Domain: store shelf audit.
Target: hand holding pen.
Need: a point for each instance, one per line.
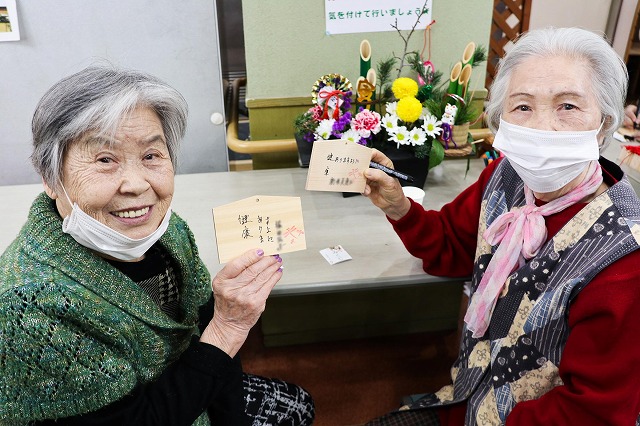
(391, 172)
(631, 118)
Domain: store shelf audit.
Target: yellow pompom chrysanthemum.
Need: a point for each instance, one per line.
(409, 109)
(403, 87)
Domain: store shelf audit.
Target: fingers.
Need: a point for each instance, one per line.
(380, 158)
(379, 177)
(630, 115)
(240, 263)
(242, 298)
(262, 276)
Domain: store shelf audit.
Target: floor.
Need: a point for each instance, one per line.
(354, 381)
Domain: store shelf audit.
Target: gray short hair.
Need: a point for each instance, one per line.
(609, 73)
(96, 99)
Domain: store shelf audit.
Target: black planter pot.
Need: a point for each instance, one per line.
(304, 151)
(406, 162)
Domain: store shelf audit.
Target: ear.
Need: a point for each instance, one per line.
(50, 192)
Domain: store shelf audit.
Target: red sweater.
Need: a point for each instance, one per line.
(600, 365)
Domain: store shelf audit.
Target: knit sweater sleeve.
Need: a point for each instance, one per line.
(600, 366)
(445, 240)
(203, 378)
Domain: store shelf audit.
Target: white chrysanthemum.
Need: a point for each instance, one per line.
(431, 125)
(400, 137)
(391, 108)
(417, 136)
(390, 122)
(351, 136)
(324, 129)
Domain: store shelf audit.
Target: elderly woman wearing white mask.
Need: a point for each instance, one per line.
(550, 237)
(107, 314)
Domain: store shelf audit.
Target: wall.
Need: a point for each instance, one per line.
(175, 41)
(624, 26)
(589, 14)
(287, 48)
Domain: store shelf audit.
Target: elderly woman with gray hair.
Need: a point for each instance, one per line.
(107, 313)
(550, 237)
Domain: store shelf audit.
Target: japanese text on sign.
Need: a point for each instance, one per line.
(357, 16)
(271, 223)
(338, 165)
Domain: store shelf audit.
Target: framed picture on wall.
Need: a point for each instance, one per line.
(9, 27)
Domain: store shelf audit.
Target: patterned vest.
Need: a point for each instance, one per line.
(517, 359)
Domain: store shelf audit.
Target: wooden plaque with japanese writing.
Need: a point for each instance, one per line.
(271, 223)
(338, 165)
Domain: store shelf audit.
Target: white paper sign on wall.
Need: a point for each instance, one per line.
(359, 16)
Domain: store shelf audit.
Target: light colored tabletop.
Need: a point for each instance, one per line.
(379, 258)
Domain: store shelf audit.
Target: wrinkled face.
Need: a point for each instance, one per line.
(127, 184)
(553, 93)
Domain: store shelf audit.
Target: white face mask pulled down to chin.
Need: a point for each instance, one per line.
(547, 160)
(98, 237)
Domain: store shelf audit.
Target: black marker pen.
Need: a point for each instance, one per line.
(394, 173)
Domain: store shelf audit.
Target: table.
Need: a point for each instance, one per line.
(612, 152)
(379, 268)
(379, 258)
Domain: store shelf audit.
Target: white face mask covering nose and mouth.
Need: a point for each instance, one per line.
(97, 236)
(547, 160)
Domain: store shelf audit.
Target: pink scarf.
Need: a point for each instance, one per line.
(520, 233)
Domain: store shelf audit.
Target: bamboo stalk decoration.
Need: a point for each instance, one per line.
(453, 78)
(365, 57)
(467, 55)
(463, 80)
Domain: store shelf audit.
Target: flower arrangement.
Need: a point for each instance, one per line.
(408, 115)
(331, 116)
(407, 122)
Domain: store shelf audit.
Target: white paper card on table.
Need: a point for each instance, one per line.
(338, 165)
(335, 254)
(271, 223)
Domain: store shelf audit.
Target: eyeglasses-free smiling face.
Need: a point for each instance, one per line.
(126, 183)
(552, 93)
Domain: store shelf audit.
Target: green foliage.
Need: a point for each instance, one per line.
(422, 151)
(479, 56)
(417, 66)
(304, 123)
(437, 154)
(383, 73)
(439, 99)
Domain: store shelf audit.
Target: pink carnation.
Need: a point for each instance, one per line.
(366, 122)
(316, 112)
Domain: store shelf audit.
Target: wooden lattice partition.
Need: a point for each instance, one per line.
(510, 19)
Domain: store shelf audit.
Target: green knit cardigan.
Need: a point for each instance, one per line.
(75, 333)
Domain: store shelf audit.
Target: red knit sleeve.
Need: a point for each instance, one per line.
(445, 240)
(600, 365)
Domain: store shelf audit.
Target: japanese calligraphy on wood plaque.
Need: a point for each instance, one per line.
(338, 165)
(271, 223)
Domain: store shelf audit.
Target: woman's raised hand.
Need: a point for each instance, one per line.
(240, 292)
(385, 191)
